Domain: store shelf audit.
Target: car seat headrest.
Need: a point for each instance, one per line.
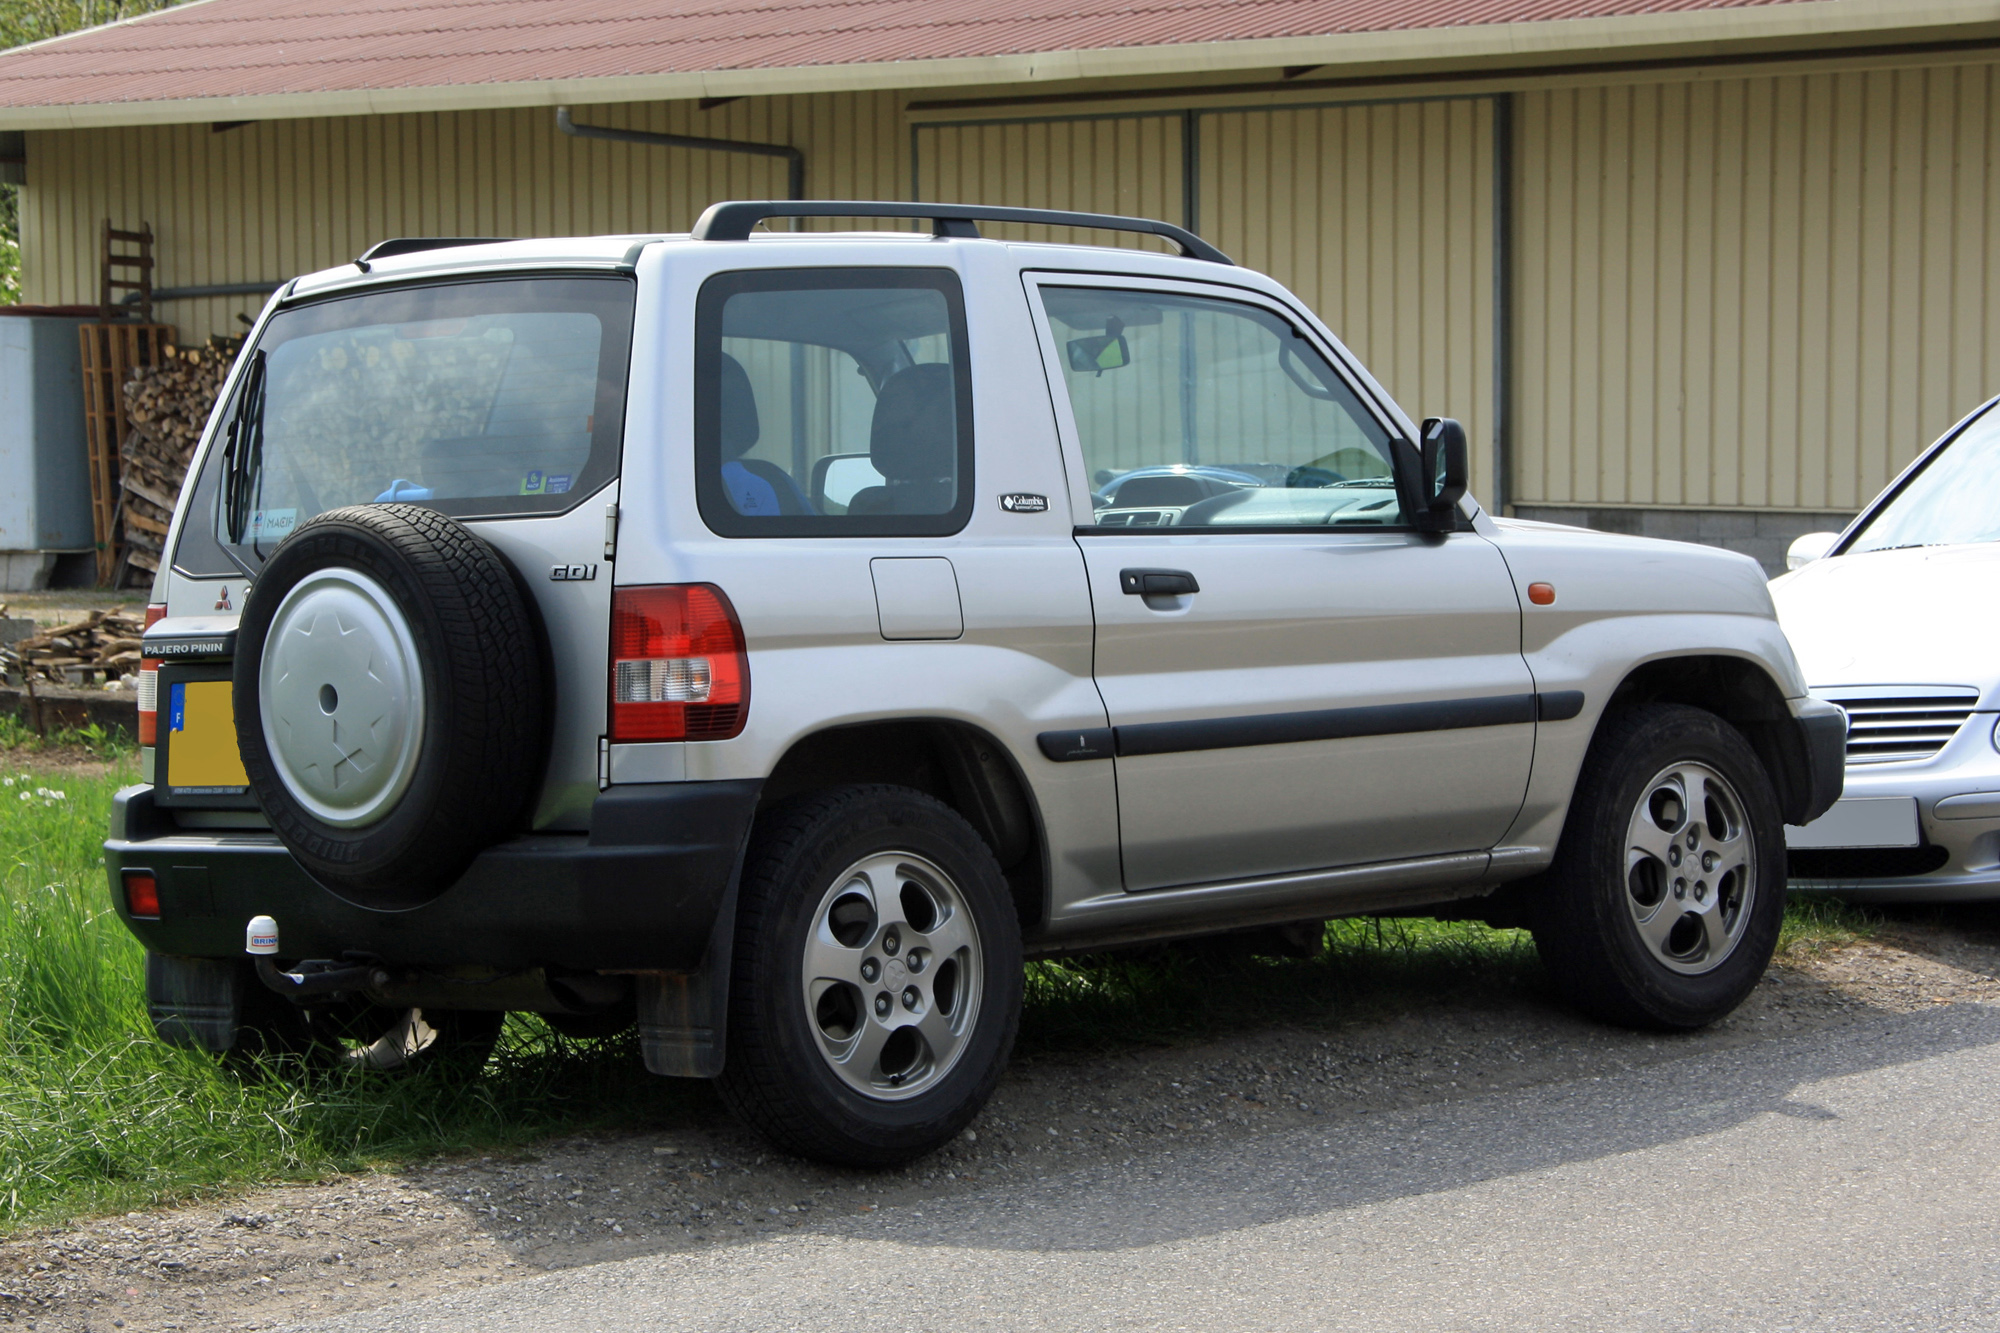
(914, 436)
(740, 430)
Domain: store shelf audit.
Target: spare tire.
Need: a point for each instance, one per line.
(390, 700)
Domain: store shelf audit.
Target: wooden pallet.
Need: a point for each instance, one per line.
(110, 351)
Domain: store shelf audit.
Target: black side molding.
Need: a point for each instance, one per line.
(1558, 705)
(1068, 746)
(1325, 724)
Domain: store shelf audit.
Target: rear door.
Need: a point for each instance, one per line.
(1295, 678)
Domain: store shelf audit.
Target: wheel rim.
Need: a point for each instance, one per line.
(1690, 868)
(892, 975)
(342, 697)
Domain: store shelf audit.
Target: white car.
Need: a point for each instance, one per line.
(1886, 620)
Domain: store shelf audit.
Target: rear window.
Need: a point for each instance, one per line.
(475, 398)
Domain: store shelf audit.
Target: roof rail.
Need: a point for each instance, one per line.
(732, 221)
(409, 245)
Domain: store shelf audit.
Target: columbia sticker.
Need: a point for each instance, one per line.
(1024, 502)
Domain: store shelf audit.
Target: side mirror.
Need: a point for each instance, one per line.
(1804, 550)
(1442, 480)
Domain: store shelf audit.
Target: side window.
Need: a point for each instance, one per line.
(832, 402)
(1206, 413)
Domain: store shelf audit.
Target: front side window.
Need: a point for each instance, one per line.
(1196, 412)
(1951, 501)
(832, 402)
(474, 398)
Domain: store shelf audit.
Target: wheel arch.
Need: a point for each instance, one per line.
(959, 764)
(1742, 693)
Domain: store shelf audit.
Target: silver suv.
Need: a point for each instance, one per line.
(769, 640)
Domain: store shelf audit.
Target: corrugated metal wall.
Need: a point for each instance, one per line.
(1750, 293)
(270, 200)
(1098, 164)
(1381, 218)
(1760, 292)
(1373, 214)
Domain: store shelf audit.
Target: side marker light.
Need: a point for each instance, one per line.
(1542, 594)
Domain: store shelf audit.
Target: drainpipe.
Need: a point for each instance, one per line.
(795, 161)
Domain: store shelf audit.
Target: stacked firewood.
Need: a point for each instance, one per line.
(166, 406)
(101, 647)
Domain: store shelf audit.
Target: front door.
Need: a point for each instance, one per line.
(1295, 678)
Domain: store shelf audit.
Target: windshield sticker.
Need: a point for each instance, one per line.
(558, 483)
(533, 483)
(270, 526)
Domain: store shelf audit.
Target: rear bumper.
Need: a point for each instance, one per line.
(639, 892)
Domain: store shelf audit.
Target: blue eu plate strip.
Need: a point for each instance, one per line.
(177, 709)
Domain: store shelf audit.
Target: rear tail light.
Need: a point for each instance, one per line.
(148, 693)
(678, 669)
(142, 894)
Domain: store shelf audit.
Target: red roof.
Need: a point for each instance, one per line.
(265, 48)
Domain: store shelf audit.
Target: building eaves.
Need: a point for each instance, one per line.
(272, 59)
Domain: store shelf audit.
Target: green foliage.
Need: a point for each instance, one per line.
(23, 21)
(17, 735)
(97, 1114)
(10, 251)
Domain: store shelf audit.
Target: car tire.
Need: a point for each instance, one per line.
(396, 630)
(1664, 903)
(876, 984)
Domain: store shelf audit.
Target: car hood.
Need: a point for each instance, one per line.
(1913, 617)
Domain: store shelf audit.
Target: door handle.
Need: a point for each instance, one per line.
(1157, 582)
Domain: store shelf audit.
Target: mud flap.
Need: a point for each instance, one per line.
(683, 1016)
(195, 1002)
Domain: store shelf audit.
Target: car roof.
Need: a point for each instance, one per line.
(623, 250)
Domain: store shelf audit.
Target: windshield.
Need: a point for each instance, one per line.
(1955, 499)
(475, 398)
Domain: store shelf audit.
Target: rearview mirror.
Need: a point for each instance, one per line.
(1804, 550)
(1108, 351)
(1443, 477)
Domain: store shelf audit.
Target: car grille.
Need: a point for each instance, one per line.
(1914, 724)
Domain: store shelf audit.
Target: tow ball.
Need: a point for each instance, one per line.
(314, 976)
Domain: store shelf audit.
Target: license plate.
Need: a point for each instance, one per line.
(1860, 821)
(201, 754)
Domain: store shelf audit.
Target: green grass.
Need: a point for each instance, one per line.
(1816, 921)
(97, 1115)
(1204, 990)
(18, 738)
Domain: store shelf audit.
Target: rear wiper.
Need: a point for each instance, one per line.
(243, 454)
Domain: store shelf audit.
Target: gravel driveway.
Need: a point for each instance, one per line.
(1064, 1127)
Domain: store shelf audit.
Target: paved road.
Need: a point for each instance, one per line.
(1847, 1181)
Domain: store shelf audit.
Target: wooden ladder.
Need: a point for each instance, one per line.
(111, 349)
(117, 263)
